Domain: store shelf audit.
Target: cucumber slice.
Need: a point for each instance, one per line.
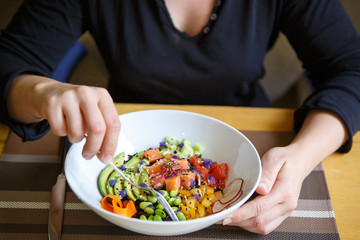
(172, 140)
(198, 149)
(187, 151)
(106, 171)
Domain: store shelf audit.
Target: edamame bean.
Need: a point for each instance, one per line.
(149, 210)
(157, 218)
(143, 217)
(175, 208)
(177, 202)
(160, 206)
(160, 213)
(164, 193)
(151, 218)
(181, 216)
(173, 193)
(152, 199)
(144, 205)
(171, 201)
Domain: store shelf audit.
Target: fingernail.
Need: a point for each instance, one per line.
(107, 158)
(262, 185)
(227, 221)
(86, 156)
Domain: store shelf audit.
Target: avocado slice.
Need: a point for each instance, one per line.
(134, 160)
(139, 194)
(113, 177)
(106, 171)
(144, 178)
(129, 193)
(119, 186)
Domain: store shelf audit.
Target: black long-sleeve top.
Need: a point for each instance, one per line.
(150, 61)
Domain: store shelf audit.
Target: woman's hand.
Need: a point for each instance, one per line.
(285, 168)
(278, 191)
(71, 110)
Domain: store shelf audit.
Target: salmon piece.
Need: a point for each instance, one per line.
(155, 168)
(187, 179)
(181, 164)
(159, 183)
(172, 183)
(152, 154)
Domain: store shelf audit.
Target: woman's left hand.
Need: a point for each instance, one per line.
(285, 168)
(278, 191)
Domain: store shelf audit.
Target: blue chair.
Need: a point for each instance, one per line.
(69, 62)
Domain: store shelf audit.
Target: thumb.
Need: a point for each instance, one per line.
(272, 163)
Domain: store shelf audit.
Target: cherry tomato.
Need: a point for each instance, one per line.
(220, 172)
(204, 173)
(195, 160)
(213, 167)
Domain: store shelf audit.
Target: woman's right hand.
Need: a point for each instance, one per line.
(72, 110)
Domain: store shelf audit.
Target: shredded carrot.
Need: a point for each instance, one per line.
(107, 202)
(152, 154)
(114, 204)
(128, 210)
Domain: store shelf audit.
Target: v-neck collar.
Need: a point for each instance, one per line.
(204, 31)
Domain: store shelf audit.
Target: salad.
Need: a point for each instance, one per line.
(190, 183)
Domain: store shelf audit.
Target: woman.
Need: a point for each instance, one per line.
(187, 52)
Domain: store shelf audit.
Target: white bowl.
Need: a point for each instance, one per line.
(145, 129)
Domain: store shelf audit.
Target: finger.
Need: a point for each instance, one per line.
(112, 122)
(95, 124)
(254, 208)
(260, 204)
(74, 123)
(271, 165)
(57, 121)
(264, 224)
(55, 116)
(95, 135)
(277, 211)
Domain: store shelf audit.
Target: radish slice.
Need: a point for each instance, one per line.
(232, 190)
(231, 194)
(218, 207)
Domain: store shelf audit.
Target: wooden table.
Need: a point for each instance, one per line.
(342, 170)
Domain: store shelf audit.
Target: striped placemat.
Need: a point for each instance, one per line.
(28, 171)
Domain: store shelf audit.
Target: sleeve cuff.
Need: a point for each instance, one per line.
(30, 131)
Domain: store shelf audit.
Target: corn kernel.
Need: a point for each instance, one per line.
(194, 191)
(218, 195)
(206, 202)
(192, 212)
(184, 192)
(209, 190)
(191, 202)
(202, 189)
(201, 210)
(212, 198)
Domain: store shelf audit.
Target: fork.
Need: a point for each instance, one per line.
(158, 195)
